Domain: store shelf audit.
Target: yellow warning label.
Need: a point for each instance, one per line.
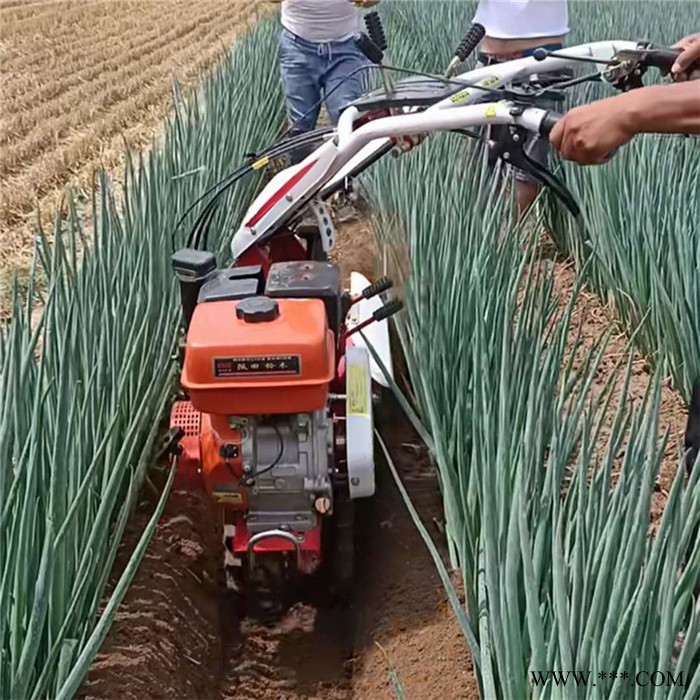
(260, 163)
(488, 82)
(230, 497)
(358, 396)
(491, 111)
(460, 96)
(463, 94)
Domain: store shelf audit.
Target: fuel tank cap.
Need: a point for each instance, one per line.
(257, 309)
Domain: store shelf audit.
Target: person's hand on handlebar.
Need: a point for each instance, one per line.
(689, 60)
(590, 134)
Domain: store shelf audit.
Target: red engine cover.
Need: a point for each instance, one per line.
(211, 459)
(211, 455)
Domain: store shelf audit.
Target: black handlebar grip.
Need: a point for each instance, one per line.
(381, 285)
(375, 29)
(369, 49)
(471, 40)
(389, 309)
(549, 121)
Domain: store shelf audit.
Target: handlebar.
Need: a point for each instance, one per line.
(349, 140)
(284, 195)
(354, 147)
(549, 121)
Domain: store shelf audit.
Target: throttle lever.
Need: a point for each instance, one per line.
(663, 59)
(650, 56)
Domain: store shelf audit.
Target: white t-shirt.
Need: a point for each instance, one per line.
(523, 19)
(321, 20)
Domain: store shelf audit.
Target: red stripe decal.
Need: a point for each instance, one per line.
(279, 194)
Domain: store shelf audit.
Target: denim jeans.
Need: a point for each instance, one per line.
(313, 70)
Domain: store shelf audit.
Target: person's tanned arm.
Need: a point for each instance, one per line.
(589, 134)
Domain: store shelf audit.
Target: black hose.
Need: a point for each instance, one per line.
(199, 232)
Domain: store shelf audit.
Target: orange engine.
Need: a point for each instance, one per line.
(277, 421)
(258, 372)
(259, 355)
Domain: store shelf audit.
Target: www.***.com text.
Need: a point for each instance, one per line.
(654, 679)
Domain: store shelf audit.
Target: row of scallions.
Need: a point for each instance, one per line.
(547, 475)
(88, 369)
(547, 479)
(639, 239)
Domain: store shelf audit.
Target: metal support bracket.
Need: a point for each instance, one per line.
(325, 223)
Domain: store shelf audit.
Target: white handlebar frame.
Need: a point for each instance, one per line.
(349, 148)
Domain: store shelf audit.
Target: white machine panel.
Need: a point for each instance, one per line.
(377, 334)
(359, 435)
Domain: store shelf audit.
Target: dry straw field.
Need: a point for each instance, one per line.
(77, 79)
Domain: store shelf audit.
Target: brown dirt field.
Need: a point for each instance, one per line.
(77, 79)
(179, 635)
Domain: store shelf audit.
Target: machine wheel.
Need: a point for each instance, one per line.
(341, 557)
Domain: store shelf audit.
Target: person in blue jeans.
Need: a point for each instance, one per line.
(319, 59)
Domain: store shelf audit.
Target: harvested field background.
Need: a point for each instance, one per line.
(78, 79)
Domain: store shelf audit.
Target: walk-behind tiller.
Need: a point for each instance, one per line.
(278, 375)
(278, 421)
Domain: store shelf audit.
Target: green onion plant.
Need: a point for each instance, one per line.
(87, 369)
(547, 478)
